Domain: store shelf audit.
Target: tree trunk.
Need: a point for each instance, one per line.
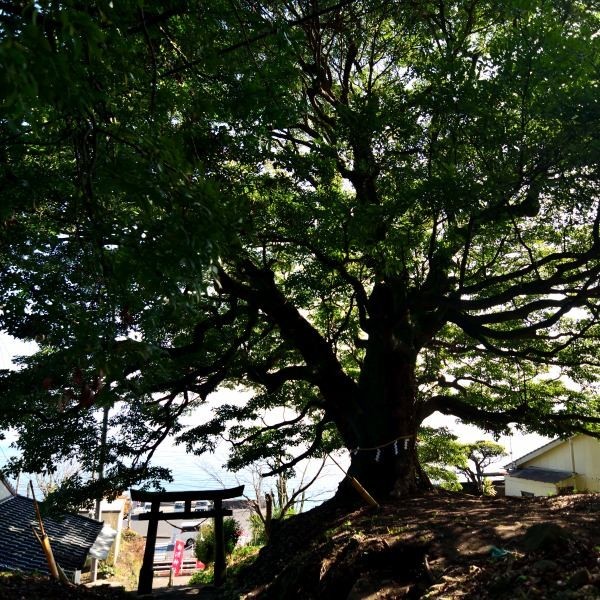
(392, 470)
(384, 455)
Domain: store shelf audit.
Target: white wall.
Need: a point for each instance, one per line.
(515, 485)
(586, 452)
(4, 491)
(580, 454)
(557, 458)
(584, 459)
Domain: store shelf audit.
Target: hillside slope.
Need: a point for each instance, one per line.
(434, 546)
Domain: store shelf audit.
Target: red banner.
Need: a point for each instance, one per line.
(177, 557)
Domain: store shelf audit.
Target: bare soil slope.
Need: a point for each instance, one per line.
(435, 546)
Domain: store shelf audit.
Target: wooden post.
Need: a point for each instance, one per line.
(42, 538)
(268, 515)
(147, 570)
(220, 564)
(357, 486)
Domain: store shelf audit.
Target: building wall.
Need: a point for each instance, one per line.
(558, 458)
(515, 485)
(111, 514)
(4, 491)
(584, 460)
(586, 452)
(581, 455)
(115, 520)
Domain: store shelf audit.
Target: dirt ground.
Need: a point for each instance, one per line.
(441, 546)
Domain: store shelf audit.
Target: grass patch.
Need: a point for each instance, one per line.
(129, 562)
(241, 557)
(345, 527)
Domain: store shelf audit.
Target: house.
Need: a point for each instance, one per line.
(560, 465)
(112, 513)
(72, 537)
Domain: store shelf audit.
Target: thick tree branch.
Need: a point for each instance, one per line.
(280, 425)
(274, 29)
(474, 324)
(215, 322)
(564, 262)
(340, 268)
(526, 310)
(319, 429)
(274, 380)
(215, 371)
(533, 355)
(339, 390)
(453, 405)
(263, 292)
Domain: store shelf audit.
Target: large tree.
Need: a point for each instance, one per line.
(366, 211)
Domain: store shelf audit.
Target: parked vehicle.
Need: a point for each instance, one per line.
(163, 553)
(203, 505)
(179, 506)
(188, 531)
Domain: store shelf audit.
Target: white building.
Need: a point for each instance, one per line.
(560, 465)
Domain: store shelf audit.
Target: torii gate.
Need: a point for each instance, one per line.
(155, 515)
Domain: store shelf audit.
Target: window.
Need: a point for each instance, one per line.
(527, 494)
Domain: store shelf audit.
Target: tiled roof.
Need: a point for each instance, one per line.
(71, 537)
(539, 474)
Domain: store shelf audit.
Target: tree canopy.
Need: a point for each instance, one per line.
(443, 457)
(365, 210)
(481, 454)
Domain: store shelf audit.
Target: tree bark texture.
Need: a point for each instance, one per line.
(384, 454)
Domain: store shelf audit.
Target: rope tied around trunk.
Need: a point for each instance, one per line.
(379, 449)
